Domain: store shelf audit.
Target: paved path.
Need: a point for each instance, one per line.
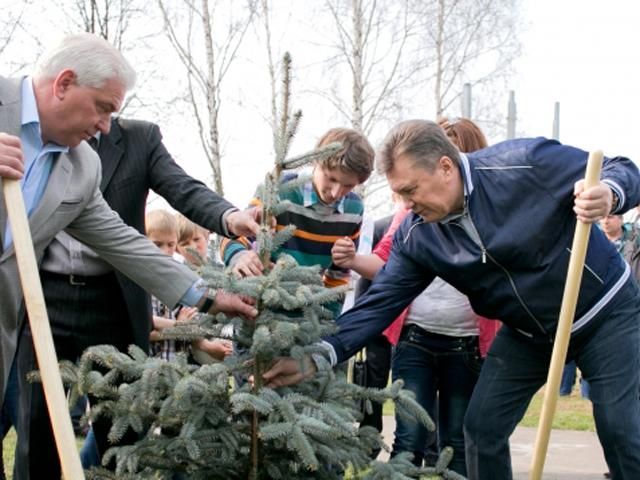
(571, 455)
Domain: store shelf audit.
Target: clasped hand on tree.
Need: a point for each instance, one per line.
(289, 371)
(232, 304)
(244, 223)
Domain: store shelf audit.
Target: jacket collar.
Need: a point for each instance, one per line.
(111, 153)
(467, 185)
(465, 170)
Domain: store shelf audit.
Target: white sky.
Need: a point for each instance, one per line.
(583, 54)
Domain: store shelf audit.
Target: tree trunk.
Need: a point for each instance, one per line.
(212, 101)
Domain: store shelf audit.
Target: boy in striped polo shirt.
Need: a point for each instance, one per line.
(323, 210)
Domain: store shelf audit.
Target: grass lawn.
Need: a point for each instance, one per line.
(8, 447)
(572, 413)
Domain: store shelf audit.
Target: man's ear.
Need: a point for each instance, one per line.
(65, 80)
(447, 165)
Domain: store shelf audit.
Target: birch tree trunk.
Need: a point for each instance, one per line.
(205, 76)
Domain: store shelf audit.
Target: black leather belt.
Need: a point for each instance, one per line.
(77, 280)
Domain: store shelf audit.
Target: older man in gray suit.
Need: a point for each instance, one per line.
(43, 122)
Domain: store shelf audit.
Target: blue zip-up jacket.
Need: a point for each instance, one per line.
(509, 250)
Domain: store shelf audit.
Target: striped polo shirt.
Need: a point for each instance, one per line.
(318, 226)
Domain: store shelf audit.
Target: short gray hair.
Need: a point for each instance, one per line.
(423, 140)
(94, 61)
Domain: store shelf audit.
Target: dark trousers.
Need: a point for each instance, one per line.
(608, 354)
(378, 365)
(80, 316)
(442, 372)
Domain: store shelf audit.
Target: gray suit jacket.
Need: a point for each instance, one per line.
(72, 202)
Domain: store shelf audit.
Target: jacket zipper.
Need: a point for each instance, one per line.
(486, 254)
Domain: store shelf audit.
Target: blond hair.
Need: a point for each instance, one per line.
(160, 221)
(187, 229)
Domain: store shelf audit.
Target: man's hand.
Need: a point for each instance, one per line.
(11, 160)
(592, 204)
(343, 252)
(247, 264)
(289, 371)
(244, 223)
(231, 304)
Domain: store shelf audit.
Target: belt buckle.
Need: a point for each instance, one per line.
(73, 281)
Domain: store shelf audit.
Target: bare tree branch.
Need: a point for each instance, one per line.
(208, 74)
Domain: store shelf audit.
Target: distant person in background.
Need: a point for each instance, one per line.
(616, 232)
(568, 380)
(463, 133)
(631, 246)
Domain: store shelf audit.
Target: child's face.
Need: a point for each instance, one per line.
(333, 184)
(199, 242)
(165, 241)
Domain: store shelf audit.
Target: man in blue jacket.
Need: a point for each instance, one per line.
(498, 225)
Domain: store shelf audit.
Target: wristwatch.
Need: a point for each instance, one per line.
(208, 303)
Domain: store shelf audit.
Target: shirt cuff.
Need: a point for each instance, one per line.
(225, 231)
(194, 294)
(619, 193)
(329, 352)
(233, 253)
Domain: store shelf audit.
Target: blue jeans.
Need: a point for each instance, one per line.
(89, 454)
(436, 368)
(607, 351)
(569, 380)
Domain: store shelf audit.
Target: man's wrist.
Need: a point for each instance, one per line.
(225, 226)
(207, 302)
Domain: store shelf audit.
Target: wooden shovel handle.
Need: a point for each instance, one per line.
(41, 332)
(567, 314)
